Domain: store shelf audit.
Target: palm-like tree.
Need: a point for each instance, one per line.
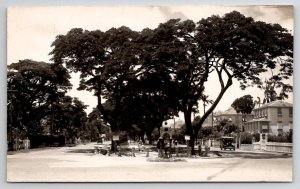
(205, 101)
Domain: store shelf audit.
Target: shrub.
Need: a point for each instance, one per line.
(290, 136)
(246, 138)
(37, 141)
(285, 137)
(256, 136)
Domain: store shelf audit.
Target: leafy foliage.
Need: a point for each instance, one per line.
(244, 104)
(226, 127)
(246, 138)
(96, 126)
(153, 74)
(271, 87)
(285, 137)
(32, 88)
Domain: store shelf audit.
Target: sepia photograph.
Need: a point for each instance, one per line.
(181, 93)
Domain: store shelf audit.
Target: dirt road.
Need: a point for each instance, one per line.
(80, 164)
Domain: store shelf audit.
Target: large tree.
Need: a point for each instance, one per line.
(170, 56)
(275, 89)
(33, 88)
(238, 47)
(182, 54)
(244, 104)
(67, 117)
(123, 68)
(105, 61)
(96, 125)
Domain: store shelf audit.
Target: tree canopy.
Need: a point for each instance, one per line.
(36, 86)
(171, 64)
(244, 104)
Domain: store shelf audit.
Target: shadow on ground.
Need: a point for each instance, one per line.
(218, 154)
(83, 151)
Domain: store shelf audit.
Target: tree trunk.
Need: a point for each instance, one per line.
(188, 122)
(114, 145)
(149, 137)
(142, 137)
(213, 106)
(189, 128)
(192, 143)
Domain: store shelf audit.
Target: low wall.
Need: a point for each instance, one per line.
(269, 146)
(248, 147)
(279, 147)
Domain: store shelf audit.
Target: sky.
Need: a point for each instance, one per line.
(31, 30)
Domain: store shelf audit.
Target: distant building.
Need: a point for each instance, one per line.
(230, 114)
(275, 117)
(171, 126)
(208, 122)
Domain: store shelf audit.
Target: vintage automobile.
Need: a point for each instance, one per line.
(227, 143)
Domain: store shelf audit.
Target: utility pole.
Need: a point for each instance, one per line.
(174, 125)
(212, 118)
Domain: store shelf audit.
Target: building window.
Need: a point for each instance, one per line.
(279, 112)
(280, 132)
(291, 112)
(264, 128)
(266, 113)
(291, 125)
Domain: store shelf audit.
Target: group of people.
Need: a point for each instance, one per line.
(21, 144)
(164, 147)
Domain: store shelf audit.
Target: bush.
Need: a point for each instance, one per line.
(246, 138)
(290, 136)
(285, 138)
(256, 136)
(37, 141)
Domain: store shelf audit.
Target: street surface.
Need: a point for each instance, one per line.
(80, 164)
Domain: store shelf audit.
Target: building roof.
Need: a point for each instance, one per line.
(170, 123)
(229, 111)
(257, 120)
(278, 103)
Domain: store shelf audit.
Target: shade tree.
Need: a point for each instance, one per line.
(244, 104)
(236, 47)
(182, 54)
(33, 88)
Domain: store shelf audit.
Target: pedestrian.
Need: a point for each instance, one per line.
(160, 147)
(167, 148)
(26, 143)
